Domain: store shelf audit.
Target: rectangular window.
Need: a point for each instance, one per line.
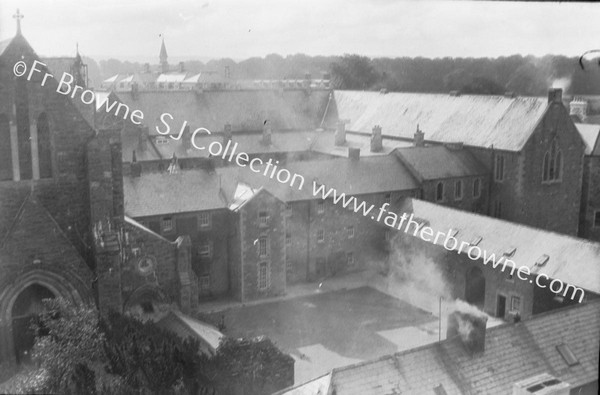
(499, 167)
(388, 198)
(476, 188)
(597, 219)
(458, 190)
(350, 230)
(350, 259)
(288, 240)
(320, 207)
(263, 218)
(439, 192)
(204, 284)
(515, 303)
(167, 224)
(205, 250)
(204, 219)
(263, 275)
(262, 246)
(320, 236)
(498, 209)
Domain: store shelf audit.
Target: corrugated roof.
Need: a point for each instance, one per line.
(437, 162)
(589, 133)
(476, 120)
(513, 352)
(245, 110)
(571, 260)
(185, 326)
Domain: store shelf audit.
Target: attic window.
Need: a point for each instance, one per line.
(160, 140)
(567, 354)
(476, 240)
(510, 251)
(542, 260)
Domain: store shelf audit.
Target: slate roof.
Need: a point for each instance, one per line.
(245, 110)
(4, 44)
(513, 352)
(572, 260)
(437, 162)
(192, 190)
(590, 133)
(476, 120)
(325, 143)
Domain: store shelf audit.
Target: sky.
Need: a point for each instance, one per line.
(239, 29)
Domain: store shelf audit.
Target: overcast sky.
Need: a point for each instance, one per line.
(129, 29)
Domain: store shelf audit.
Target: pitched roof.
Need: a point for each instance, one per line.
(476, 120)
(245, 110)
(198, 189)
(437, 162)
(513, 352)
(590, 133)
(4, 44)
(572, 260)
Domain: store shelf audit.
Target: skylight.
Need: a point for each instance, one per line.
(567, 354)
(542, 260)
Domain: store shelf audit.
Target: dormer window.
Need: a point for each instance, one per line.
(510, 251)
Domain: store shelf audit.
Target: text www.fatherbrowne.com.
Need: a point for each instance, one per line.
(408, 224)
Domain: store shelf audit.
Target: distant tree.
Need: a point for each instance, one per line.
(482, 86)
(354, 72)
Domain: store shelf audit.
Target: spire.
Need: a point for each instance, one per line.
(164, 65)
(18, 16)
(163, 51)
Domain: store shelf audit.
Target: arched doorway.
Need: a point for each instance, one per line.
(27, 308)
(475, 287)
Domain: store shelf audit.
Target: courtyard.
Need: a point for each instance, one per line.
(332, 329)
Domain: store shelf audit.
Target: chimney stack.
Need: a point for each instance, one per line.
(469, 326)
(227, 135)
(419, 138)
(354, 153)
(376, 139)
(181, 67)
(340, 133)
(136, 167)
(554, 95)
(578, 107)
(266, 134)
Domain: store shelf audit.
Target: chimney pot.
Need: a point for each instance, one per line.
(266, 135)
(419, 138)
(354, 153)
(340, 133)
(376, 139)
(227, 135)
(554, 95)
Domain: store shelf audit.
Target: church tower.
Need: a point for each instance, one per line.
(164, 65)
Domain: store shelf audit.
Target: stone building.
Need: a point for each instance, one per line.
(63, 232)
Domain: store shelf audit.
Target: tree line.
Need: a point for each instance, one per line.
(523, 75)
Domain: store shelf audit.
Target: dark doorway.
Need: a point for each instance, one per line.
(475, 288)
(501, 306)
(25, 311)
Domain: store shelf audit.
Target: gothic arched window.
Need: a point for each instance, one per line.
(6, 172)
(44, 148)
(552, 165)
